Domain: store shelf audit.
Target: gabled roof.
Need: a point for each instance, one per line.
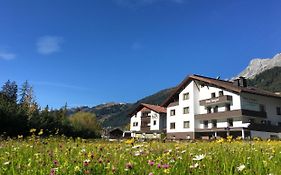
(227, 85)
(155, 108)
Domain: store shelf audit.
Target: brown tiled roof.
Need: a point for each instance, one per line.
(158, 109)
(155, 108)
(227, 85)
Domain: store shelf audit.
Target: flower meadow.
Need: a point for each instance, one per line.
(61, 155)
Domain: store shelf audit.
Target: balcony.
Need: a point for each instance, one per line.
(231, 114)
(216, 101)
(145, 120)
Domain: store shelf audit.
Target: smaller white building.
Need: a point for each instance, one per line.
(148, 121)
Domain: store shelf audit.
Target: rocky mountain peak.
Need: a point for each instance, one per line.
(258, 65)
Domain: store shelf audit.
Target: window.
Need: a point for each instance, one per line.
(186, 124)
(230, 122)
(154, 122)
(213, 95)
(262, 108)
(173, 112)
(278, 111)
(172, 125)
(214, 123)
(186, 96)
(227, 107)
(220, 93)
(205, 122)
(209, 110)
(135, 124)
(145, 114)
(216, 109)
(186, 110)
(263, 122)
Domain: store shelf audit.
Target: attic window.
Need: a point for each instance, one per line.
(186, 96)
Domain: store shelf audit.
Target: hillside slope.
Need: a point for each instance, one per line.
(268, 80)
(121, 118)
(116, 114)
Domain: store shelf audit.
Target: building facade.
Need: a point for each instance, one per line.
(203, 107)
(148, 121)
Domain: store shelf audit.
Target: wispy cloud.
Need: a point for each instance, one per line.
(7, 55)
(60, 85)
(137, 3)
(49, 44)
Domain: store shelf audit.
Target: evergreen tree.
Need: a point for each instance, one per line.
(10, 90)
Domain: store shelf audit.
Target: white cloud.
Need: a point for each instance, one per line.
(49, 44)
(7, 56)
(137, 3)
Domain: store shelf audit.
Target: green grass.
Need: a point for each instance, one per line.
(35, 155)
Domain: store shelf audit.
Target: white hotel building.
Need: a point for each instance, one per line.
(203, 107)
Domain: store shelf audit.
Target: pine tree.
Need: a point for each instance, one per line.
(10, 90)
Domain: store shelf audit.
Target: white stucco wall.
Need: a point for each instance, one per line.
(180, 117)
(154, 117)
(135, 118)
(252, 102)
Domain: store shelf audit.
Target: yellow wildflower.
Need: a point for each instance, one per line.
(32, 130)
(41, 132)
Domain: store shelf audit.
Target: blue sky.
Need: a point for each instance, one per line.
(95, 51)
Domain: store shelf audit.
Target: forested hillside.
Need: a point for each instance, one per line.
(268, 80)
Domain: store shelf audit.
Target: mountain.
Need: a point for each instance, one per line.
(260, 65)
(268, 80)
(116, 114)
(121, 118)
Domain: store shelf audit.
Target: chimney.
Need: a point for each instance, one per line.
(236, 82)
(241, 81)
